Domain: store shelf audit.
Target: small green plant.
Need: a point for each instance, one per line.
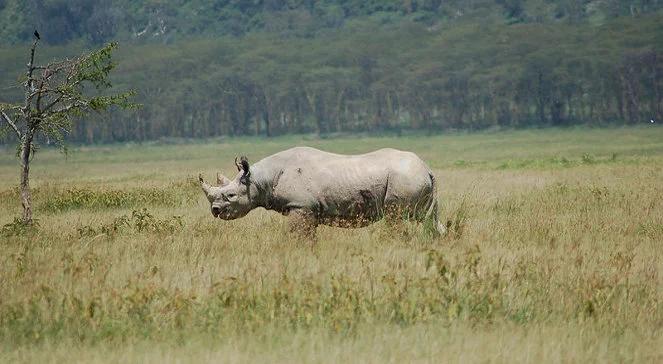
(507, 206)
(599, 192)
(458, 222)
(651, 230)
(138, 221)
(18, 228)
(588, 159)
(84, 198)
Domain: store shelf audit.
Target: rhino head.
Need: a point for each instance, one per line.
(230, 199)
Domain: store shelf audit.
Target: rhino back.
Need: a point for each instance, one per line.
(342, 185)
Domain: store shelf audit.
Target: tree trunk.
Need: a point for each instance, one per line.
(267, 115)
(541, 102)
(257, 125)
(265, 118)
(658, 110)
(339, 109)
(26, 141)
(26, 199)
(631, 99)
(312, 101)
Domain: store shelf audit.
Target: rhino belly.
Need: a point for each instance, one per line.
(355, 207)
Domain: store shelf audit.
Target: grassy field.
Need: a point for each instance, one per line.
(555, 254)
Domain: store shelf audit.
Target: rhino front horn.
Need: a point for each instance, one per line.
(205, 186)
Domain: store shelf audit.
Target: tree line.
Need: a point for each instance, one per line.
(391, 80)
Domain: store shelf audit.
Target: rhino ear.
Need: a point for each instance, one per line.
(243, 165)
(221, 180)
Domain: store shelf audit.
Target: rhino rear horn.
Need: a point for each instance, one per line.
(221, 180)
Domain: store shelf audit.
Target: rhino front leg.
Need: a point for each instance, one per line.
(303, 224)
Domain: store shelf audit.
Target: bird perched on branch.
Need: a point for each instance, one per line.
(36, 33)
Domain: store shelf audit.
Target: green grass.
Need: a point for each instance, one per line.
(553, 255)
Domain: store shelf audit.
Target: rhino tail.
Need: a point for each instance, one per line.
(432, 208)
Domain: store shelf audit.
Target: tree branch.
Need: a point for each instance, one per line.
(31, 65)
(39, 95)
(29, 83)
(76, 104)
(11, 123)
(49, 106)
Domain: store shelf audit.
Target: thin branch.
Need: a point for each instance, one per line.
(49, 106)
(42, 90)
(31, 65)
(39, 95)
(76, 104)
(29, 83)
(11, 123)
(10, 87)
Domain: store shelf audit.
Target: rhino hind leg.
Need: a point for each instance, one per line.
(303, 224)
(395, 218)
(395, 222)
(439, 228)
(431, 220)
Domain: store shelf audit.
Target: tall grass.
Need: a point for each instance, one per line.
(541, 264)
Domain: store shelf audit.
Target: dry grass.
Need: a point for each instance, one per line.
(554, 255)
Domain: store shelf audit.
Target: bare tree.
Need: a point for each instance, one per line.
(55, 95)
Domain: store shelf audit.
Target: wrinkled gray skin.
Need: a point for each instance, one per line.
(315, 187)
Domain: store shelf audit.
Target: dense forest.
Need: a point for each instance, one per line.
(205, 68)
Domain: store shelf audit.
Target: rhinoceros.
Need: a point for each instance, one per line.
(314, 187)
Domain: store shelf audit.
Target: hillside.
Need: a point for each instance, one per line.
(103, 20)
(209, 68)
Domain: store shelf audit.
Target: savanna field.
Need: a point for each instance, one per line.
(554, 254)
